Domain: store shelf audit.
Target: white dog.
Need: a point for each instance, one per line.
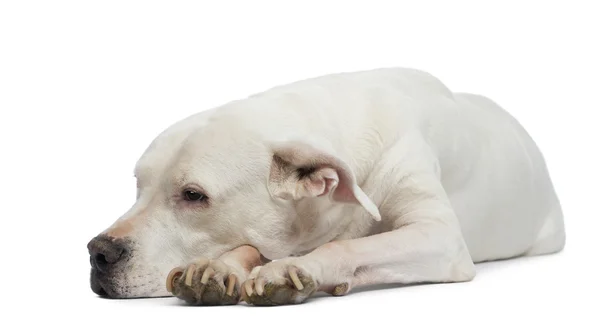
(346, 180)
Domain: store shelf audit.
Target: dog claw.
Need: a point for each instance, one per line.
(207, 274)
(173, 274)
(230, 284)
(248, 286)
(294, 277)
(189, 274)
(259, 286)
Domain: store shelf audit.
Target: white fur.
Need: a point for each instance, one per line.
(455, 179)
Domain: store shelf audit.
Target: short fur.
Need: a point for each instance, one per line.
(381, 176)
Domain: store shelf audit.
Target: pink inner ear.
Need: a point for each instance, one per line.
(342, 192)
(331, 180)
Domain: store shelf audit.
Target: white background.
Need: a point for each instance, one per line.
(86, 85)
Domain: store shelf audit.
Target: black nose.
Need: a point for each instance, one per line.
(105, 252)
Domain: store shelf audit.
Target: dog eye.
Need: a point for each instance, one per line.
(193, 196)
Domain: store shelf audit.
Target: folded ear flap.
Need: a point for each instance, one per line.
(301, 170)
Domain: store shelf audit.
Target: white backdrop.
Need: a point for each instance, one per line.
(86, 85)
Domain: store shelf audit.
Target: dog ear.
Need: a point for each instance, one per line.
(302, 170)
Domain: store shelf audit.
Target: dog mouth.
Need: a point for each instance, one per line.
(120, 284)
(97, 287)
(103, 286)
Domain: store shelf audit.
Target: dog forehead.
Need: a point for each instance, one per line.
(215, 154)
(218, 149)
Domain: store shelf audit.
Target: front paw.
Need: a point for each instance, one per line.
(279, 283)
(205, 282)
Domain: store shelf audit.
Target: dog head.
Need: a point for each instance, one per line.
(210, 184)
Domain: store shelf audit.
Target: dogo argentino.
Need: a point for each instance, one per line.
(328, 184)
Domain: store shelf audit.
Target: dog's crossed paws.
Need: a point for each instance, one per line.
(212, 282)
(205, 282)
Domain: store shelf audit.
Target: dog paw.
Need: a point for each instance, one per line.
(205, 282)
(278, 283)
